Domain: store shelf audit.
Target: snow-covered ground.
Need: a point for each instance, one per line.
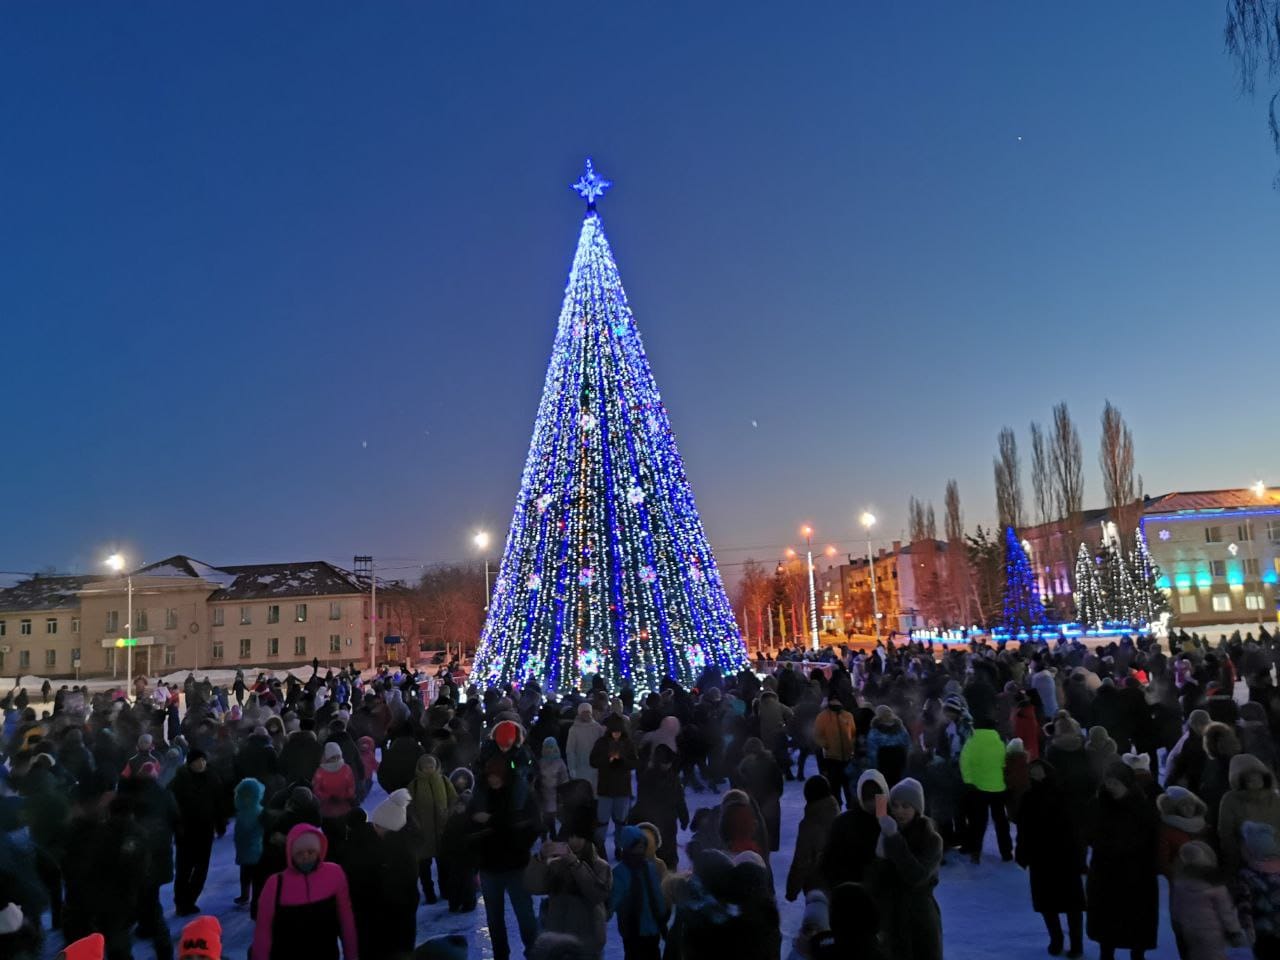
(986, 909)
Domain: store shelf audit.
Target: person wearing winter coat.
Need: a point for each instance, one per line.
(854, 928)
(1121, 893)
(399, 761)
(740, 826)
(1185, 764)
(1044, 682)
(552, 772)
(1252, 797)
(457, 866)
(851, 846)
(1026, 725)
(432, 796)
(1101, 751)
(1220, 745)
(198, 793)
(583, 735)
(248, 836)
(369, 763)
(636, 899)
(505, 821)
(904, 874)
(306, 908)
(1054, 858)
(820, 812)
(300, 758)
(382, 874)
(575, 883)
(1017, 767)
(334, 786)
(1257, 889)
(759, 775)
(982, 767)
(836, 735)
(660, 800)
(774, 716)
(1182, 819)
(888, 744)
(613, 757)
(1204, 918)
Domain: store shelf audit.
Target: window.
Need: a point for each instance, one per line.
(170, 656)
(24, 627)
(216, 651)
(335, 643)
(244, 616)
(24, 659)
(1221, 602)
(1253, 601)
(1212, 534)
(1251, 567)
(4, 628)
(113, 621)
(51, 625)
(273, 613)
(1187, 603)
(1273, 531)
(171, 618)
(273, 646)
(300, 613)
(218, 615)
(245, 648)
(75, 626)
(1244, 532)
(51, 658)
(1218, 568)
(75, 656)
(141, 620)
(111, 659)
(335, 610)
(299, 646)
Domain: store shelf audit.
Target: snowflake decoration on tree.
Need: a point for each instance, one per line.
(534, 581)
(543, 502)
(648, 574)
(635, 495)
(586, 577)
(587, 422)
(534, 667)
(695, 572)
(1165, 534)
(591, 186)
(589, 662)
(697, 659)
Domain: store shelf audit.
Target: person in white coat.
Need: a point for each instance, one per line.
(583, 734)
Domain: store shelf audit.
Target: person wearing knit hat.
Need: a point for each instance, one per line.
(201, 940)
(1205, 921)
(820, 812)
(815, 921)
(1182, 819)
(908, 856)
(334, 784)
(91, 947)
(1122, 894)
(582, 736)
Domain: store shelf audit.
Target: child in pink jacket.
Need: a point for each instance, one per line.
(334, 784)
(368, 760)
(306, 908)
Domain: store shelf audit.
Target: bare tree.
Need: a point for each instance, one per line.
(1041, 481)
(1008, 477)
(957, 557)
(1252, 36)
(1066, 472)
(1115, 457)
(930, 596)
(752, 595)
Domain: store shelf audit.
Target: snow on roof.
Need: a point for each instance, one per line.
(314, 578)
(44, 593)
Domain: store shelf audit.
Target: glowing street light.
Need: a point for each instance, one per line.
(117, 563)
(807, 532)
(1259, 489)
(868, 520)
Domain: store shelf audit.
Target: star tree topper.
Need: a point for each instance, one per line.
(591, 186)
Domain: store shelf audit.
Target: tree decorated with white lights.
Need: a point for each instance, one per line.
(1150, 601)
(1119, 599)
(1090, 609)
(607, 570)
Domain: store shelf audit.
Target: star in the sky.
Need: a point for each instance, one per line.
(591, 186)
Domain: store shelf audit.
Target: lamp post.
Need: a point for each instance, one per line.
(868, 521)
(481, 540)
(116, 562)
(1260, 491)
(807, 533)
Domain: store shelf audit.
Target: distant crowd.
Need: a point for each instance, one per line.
(1100, 772)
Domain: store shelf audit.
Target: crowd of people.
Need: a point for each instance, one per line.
(1100, 771)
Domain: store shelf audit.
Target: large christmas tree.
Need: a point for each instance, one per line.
(607, 570)
(1022, 605)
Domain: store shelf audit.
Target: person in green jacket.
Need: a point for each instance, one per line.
(982, 768)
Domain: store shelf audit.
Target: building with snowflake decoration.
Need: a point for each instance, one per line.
(607, 570)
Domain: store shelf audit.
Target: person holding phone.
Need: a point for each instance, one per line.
(904, 874)
(575, 884)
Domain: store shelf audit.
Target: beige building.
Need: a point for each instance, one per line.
(188, 615)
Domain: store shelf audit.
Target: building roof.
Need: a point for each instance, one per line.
(315, 578)
(1191, 500)
(44, 593)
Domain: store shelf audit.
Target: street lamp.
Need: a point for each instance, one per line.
(117, 563)
(868, 520)
(807, 532)
(1260, 491)
(481, 540)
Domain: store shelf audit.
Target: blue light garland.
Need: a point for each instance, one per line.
(606, 571)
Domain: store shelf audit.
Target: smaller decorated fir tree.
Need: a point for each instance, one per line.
(1089, 606)
(1119, 598)
(1022, 606)
(1150, 601)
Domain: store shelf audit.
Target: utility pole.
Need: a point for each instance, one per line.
(364, 567)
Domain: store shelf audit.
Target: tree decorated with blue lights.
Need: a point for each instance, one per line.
(1022, 606)
(607, 570)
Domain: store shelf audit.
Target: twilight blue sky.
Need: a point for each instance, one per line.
(279, 281)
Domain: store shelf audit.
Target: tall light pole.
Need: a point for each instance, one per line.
(868, 520)
(807, 533)
(481, 540)
(1260, 491)
(117, 563)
